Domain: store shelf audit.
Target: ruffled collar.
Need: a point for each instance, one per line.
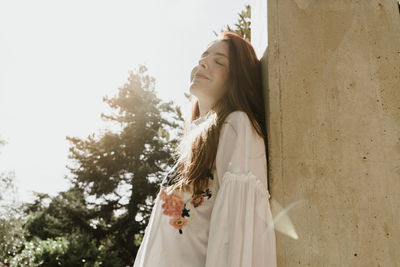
(197, 122)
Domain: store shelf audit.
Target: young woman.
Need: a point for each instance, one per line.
(213, 208)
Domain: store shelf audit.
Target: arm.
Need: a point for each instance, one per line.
(241, 227)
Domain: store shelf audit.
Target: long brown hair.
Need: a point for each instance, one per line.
(196, 154)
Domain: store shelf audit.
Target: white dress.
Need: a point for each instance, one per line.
(230, 224)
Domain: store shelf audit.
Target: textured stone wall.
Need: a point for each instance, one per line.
(332, 85)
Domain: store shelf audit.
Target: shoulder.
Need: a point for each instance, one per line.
(242, 126)
(238, 131)
(238, 119)
(237, 116)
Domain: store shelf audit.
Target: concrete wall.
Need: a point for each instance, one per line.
(332, 84)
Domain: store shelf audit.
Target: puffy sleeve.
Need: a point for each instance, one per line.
(241, 227)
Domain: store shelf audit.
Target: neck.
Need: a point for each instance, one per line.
(204, 108)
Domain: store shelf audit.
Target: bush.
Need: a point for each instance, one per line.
(74, 250)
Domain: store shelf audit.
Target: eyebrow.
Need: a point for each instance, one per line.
(216, 53)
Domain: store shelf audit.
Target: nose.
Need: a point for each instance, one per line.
(202, 63)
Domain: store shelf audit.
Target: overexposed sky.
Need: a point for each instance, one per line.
(59, 58)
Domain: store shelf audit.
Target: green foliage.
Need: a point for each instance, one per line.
(11, 222)
(73, 250)
(243, 25)
(41, 253)
(64, 213)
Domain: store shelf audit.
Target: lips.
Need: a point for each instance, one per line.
(200, 75)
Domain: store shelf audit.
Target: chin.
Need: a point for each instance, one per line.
(196, 91)
(192, 91)
(193, 87)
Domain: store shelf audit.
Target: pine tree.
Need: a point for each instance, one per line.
(243, 25)
(121, 171)
(115, 175)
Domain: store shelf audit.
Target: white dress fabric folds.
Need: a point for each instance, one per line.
(241, 226)
(231, 224)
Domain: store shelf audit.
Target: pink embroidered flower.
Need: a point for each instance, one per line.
(197, 200)
(173, 204)
(178, 222)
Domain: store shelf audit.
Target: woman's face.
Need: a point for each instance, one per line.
(208, 79)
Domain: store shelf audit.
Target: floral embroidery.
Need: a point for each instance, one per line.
(178, 223)
(197, 200)
(174, 204)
